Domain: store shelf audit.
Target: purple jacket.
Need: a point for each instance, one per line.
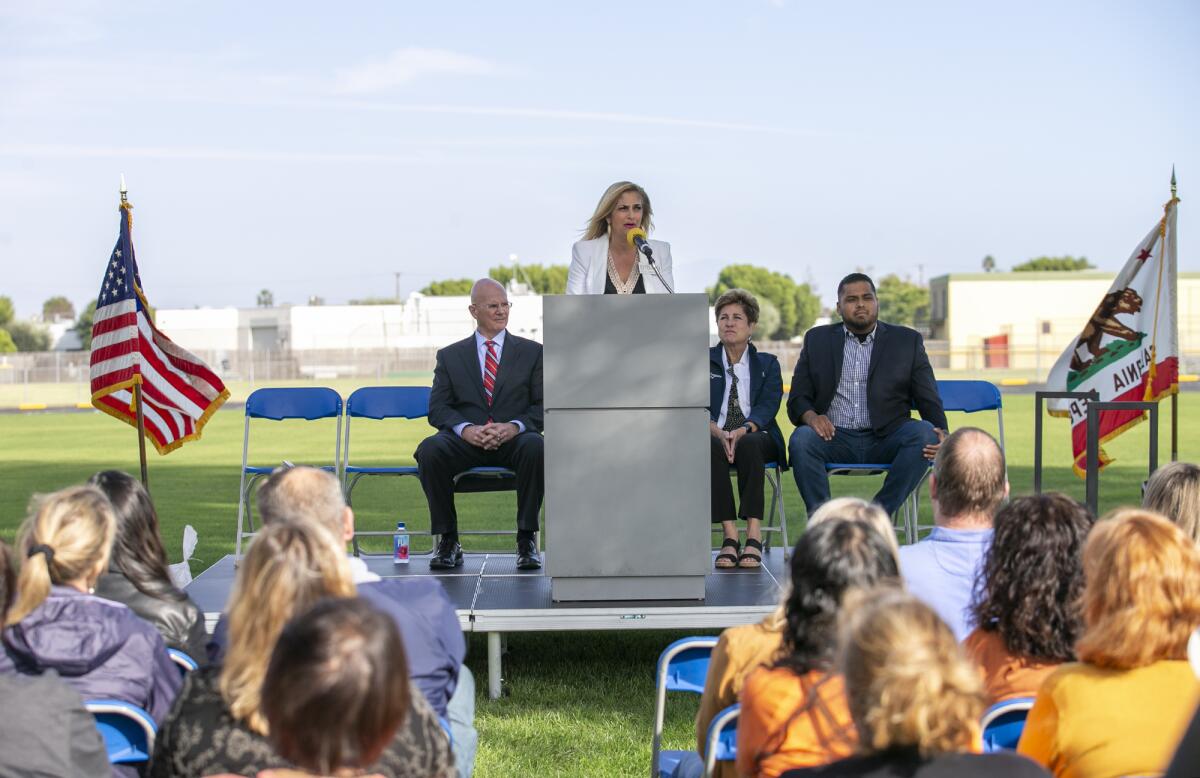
(98, 647)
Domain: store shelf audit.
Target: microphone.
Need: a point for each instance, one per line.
(637, 239)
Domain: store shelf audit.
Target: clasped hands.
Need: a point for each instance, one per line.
(728, 439)
(490, 436)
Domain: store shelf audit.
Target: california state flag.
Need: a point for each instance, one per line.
(1129, 349)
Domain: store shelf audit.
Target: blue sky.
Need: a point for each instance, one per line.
(316, 148)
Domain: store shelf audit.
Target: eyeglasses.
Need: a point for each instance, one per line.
(493, 307)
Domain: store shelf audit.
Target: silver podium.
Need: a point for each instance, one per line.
(627, 451)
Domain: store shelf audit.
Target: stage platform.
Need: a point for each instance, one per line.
(493, 597)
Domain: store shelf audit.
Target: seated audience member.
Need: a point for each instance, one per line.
(1026, 603)
(794, 713)
(745, 390)
(852, 396)
(967, 485)
(53, 733)
(99, 647)
(137, 569)
(336, 690)
(1174, 491)
(741, 650)
(915, 699)
(1122, 709)
(424, 614)
(218, 724)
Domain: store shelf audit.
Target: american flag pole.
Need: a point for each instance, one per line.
(137, 388)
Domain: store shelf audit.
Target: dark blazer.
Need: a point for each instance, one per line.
(899, 377)
(457, 395)
(766, 392)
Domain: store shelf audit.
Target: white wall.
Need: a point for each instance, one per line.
(200, 329)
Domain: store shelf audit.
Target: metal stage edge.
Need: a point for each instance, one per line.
(492, 597)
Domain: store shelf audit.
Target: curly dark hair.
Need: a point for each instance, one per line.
(1032, 578)
(830, 559)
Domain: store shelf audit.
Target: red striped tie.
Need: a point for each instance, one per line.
(490, 366)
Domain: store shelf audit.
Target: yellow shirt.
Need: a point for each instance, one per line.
(740, 651)
(1090, 722)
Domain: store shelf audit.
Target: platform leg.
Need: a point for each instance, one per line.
(494, 676)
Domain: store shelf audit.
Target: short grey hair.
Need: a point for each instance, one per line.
(303, 493)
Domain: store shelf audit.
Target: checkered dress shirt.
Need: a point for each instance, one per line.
(848, 409)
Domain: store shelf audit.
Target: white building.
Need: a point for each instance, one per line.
(419, 321)
(1027, 319)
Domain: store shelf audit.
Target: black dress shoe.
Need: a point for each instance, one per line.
(528, 557)
(448, 555)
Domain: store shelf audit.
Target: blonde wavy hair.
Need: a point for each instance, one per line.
(76, 528)
(1174, 491)
(908, 683)
(598, 224)
(289, 567)
(1141, 592)
(857, 509)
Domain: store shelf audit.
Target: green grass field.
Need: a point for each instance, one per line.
(580, 703)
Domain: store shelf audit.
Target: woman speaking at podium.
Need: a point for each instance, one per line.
(606, 261)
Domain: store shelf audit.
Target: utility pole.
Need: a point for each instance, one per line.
(397, 274)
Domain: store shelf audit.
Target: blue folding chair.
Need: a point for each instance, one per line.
(411, 402)
(308, 403)
(379, 403)
(128, 731)
(186, 663)
(682, 667)
(721, 740)
(1003, 723)
(907, 513)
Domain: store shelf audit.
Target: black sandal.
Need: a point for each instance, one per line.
(732, 558)
(751, 543)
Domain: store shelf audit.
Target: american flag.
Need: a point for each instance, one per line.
(179, 392)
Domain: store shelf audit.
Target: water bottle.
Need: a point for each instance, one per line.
(400, 545)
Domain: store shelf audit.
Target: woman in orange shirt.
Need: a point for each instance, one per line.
(1123, 707)
(915, 698)
(1026, 601)
(794, 714)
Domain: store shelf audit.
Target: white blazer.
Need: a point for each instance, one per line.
(589, 267)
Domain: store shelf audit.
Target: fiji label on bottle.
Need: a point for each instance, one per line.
(400, 545)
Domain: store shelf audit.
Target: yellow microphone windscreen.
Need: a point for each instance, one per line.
(636, 232)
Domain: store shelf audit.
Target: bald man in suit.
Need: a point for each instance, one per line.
(486, 404)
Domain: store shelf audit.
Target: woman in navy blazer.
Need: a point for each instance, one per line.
(742, 422)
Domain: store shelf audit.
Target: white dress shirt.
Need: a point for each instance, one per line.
(742, 371)
(481, 350)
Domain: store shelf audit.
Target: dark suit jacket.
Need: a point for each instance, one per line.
(766, 392)
(899, 377)
(457, 395)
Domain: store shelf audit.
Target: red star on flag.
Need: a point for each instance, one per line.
(1143, 255)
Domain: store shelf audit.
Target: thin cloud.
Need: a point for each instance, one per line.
(511, 112)
(197, 153)
(404, 66)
